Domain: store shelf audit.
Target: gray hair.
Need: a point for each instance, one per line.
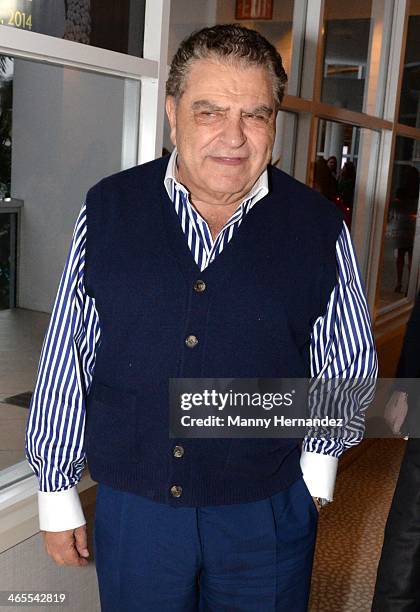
(231, 43)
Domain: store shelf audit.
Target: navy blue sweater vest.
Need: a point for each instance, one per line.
(254, 319)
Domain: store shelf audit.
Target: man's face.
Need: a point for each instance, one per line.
(224, 127)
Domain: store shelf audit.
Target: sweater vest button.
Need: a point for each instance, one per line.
(199, 286)
(178, 451)
(191, 341)
(176, 491)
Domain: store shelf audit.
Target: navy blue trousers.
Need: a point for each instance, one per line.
(250, 557)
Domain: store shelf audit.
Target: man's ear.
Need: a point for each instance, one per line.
(170, 107)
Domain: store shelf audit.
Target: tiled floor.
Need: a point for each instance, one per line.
(351, 529)
(21, 335)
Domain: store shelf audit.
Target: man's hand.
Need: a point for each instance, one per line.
(67, 547)
(396, 411)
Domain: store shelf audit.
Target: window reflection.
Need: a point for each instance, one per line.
(63, 130)
(283, 155)
(187, 16)
(6, 103)
(334, 170)
(410, 91)
(117, 25)
(402, 221)
(7, 219)
(7, 259)
(347, 29)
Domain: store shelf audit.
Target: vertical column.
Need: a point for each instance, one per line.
(307, 129)
(396, 59)
(152, 105)
(386, 149)
(336, 142)
(130, 139)
(327, 141)
(284, 145)
(363, 224)
(379, 43)
(306, 126)
(312, 64)
(298, 42)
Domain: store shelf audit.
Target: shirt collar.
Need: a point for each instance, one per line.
(258, 191)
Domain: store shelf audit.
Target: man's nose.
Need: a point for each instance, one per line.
(233, 132)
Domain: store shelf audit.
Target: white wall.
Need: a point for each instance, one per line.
(187, 16)
(67, 134)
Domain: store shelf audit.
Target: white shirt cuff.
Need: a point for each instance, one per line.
(319, 473)
(60, 510)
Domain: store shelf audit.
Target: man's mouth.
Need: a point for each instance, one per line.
(229, 160)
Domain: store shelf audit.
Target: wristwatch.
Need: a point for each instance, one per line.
(322, 501)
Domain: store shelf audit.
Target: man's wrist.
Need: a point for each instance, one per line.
(60, 510)
(321, 502)
(319, 473)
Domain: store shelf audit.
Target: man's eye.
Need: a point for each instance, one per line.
(255, 117)
(207, 116)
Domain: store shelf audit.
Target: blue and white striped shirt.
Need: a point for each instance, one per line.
(341, 345)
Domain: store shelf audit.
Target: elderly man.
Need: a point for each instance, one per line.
(209, 263)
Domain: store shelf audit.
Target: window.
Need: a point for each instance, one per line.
(6, 104)
(284, 145)
(347, 27)
(8, 235)
(410, 99)
(117, 25)
(335, 166)
(8, 218)
(277, 30)
(69, 130)
(187, 16)
(402, 223)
